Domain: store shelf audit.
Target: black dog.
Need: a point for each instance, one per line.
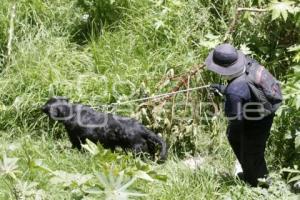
(82, 122)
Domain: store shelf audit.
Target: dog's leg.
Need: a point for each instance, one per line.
(111, 147)
(151, 149)
(139, 149)
(155, 139)
(76, 143)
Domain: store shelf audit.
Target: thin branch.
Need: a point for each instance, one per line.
(11, 30)
(252, 9)
(236, 16)
(232, 24)
(184, 78)
(187, 94)
(183, 81)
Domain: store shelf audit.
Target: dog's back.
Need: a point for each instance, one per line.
(110, 130)
(123, 131)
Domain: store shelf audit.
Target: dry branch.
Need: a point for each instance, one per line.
(183, 79)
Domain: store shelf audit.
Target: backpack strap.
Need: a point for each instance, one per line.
(259, 74)
(255, 90)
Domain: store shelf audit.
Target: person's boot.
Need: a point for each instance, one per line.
(237, 169)
(240, 176)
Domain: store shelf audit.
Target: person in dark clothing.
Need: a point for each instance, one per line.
(248, 129)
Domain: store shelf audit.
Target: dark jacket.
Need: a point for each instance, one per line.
(243, 117)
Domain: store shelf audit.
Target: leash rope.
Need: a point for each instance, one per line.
(158, 96)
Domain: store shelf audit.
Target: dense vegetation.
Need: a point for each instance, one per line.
(103, 51)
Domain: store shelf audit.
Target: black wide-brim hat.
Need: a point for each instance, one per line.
(225, 60)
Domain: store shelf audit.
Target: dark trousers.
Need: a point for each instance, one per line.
(249, 147)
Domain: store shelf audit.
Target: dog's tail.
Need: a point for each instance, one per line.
(152, 137)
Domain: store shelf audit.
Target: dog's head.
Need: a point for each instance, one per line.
(58, 108)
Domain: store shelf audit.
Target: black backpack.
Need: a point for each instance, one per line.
(264, 86)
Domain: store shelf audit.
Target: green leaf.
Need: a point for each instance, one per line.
(28, 190)
(288, 136)
(115, 187)
(284, 14)
(275, 14)
(298, 102)
(245, 49)
(135, 194)
(161, 177)
(158, 24)
(91, 147)
(8, 166)
(290, 170)
(93, 190)
(143, 175)
(296, 68)
(127, 185)
(294, 48)
(38, 163)
(296, 178)
(68, 179)
(297, 141)
(281, 9)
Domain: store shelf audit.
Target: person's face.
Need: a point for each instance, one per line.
(230, 77)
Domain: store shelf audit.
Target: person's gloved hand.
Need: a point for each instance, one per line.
(218, 89)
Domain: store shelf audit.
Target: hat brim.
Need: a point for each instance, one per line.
(229, 70)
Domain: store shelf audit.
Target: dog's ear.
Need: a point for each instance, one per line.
(60, 111)
(52, 112)
(64, 110)
(61, 98)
